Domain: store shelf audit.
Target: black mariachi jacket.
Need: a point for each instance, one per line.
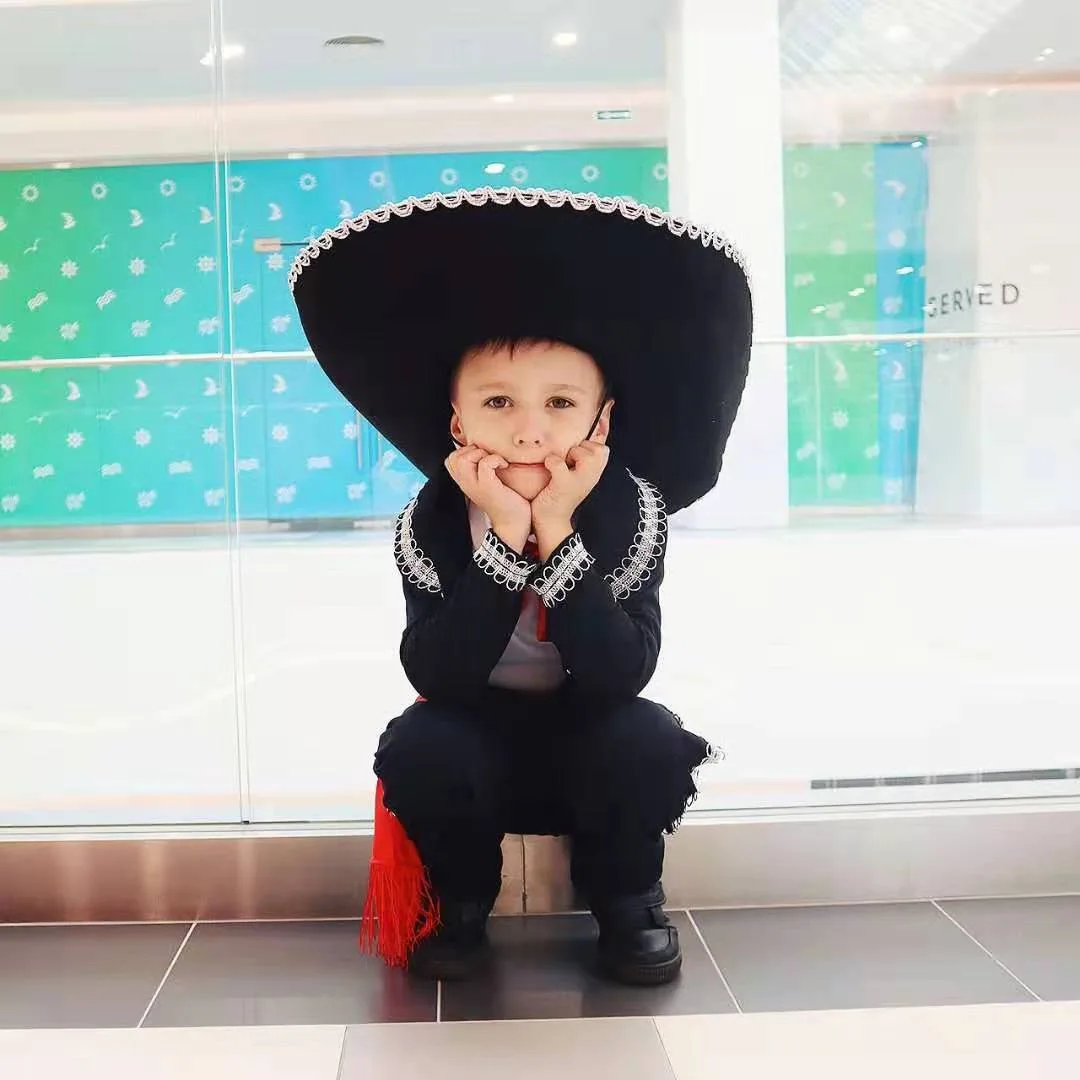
(600, 589)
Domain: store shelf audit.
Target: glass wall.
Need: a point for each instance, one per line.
(934, 443)
(118, 697)
(203, 611)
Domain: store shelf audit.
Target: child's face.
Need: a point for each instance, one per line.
(540, 399)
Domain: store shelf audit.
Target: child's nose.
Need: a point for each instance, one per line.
(530, 431)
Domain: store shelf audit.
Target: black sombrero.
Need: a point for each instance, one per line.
(391, 300)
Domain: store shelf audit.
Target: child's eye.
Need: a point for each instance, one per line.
(562, 403)
(501, 401)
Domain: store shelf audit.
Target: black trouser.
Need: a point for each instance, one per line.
(612, 777)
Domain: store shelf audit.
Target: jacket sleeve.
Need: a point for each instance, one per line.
(453, 640)
(610, 646)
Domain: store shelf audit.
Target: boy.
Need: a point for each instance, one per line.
(587, 358)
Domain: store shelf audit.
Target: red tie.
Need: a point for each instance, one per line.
(541, 616)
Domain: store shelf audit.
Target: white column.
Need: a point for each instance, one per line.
(725, 150)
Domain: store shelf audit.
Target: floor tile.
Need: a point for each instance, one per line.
(285, 973)
(1038, 940)
(990, 1042)
(850, 957)
(569, 1050)
(82, 976)
(311, 1053)
(543, 970)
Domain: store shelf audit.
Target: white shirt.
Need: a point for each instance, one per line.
(527, 663)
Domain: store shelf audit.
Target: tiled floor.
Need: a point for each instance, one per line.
(752, 960)
(264, 997)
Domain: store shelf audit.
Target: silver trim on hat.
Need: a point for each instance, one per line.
(604, 204)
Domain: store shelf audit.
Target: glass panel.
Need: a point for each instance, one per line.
(928, 267)
(926, 147)
(931, 261)
(915, 654)
(117, 702)
(346, 130)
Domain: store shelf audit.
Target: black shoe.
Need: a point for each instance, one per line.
(638, 945)
(458, 949)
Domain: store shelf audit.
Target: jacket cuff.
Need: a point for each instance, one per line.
(502, 563)
(563, 571)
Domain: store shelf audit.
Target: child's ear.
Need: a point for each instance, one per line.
(457, 432)
(603, 425)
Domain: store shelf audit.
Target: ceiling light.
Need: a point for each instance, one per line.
(1048, 52)
(297, 156)
(530, 148)
(898, 33)
(565, 39)
(61, 164)
(228, 52)
(502, 99)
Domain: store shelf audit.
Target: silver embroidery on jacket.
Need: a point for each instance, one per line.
(503, 564)
(565, 569)
(648, 546)
(568, 565)
(413, 563)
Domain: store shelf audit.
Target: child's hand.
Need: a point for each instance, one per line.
(474, 471)
(571, 481)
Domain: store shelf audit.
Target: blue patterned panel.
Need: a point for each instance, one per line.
(900, 215)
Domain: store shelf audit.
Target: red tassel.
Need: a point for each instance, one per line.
(400, 909)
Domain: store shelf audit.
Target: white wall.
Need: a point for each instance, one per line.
(806, 653)
(422, 120)
(373, 124)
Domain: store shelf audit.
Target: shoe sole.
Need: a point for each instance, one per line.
(643, 974)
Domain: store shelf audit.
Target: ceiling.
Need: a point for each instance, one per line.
(59, 52)
(150, 49)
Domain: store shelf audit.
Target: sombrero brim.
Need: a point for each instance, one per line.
(390, 300)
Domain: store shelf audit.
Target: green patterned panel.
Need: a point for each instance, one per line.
(832, 289)
(132, 260)
(109, 261)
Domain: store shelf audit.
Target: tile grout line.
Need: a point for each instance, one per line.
(341, 1057)
(664, 1048)
(1004, 967)
(168, 972)
(709, 953)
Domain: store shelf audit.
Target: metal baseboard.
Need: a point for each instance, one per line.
(766, 859)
